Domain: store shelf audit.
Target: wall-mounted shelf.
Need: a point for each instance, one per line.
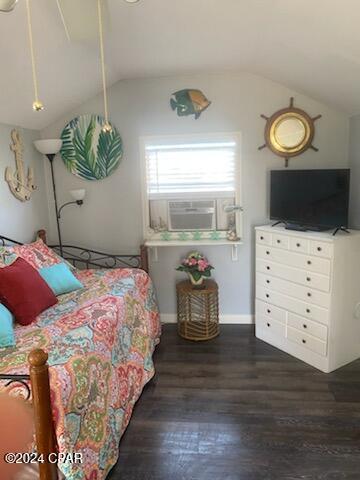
(154, 244)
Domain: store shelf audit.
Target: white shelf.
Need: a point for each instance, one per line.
(179, 243)
(154, 244)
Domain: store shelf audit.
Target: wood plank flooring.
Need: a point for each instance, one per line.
(235, 408)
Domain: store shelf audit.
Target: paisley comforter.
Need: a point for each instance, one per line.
(100, 342)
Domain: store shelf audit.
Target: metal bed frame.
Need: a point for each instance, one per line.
(38, 376)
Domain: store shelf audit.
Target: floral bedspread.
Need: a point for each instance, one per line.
(100, 342)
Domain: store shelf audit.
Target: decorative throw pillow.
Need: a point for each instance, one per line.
(60, 278)
(24, 292)
(7, 337)
(6, 257)
(37, 254)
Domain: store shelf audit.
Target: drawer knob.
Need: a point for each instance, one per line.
(308, 279)
(268, 310)
(267, 252)
(267, 295)
(304, 325)
(267, 268)
(261, 238)
(304, 341)
(308, 310)
(309, 294)
(268, 324)
(298, 244)
(278, 241)
(319, 249)
(267, 281)
(309, 262)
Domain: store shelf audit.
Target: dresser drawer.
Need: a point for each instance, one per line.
(313, 312)
(294, 290)
(321, 249)
(263, 237)
(313, 280)
(273, 327)
(298, 260)
(299, 245)
(307, 341)
(266, 310)
(280, 241)
(307, 326)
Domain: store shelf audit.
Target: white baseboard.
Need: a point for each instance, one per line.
(230, 319)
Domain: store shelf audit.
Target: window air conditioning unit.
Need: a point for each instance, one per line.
(184, 215)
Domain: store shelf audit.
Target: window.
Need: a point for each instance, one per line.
(191, 186)
(191, 168)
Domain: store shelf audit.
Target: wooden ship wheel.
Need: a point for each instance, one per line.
(289, 132)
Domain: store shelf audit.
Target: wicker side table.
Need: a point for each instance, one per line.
(197, 311)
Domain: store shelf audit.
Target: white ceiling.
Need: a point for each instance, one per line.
(310, 46)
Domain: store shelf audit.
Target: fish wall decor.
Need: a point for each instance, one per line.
(189, 102)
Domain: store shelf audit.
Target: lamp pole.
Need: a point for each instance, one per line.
(51, 157)
(50, 148)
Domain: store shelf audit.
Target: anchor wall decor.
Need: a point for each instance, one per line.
(21, 187)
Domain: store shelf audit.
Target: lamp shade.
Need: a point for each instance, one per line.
(48, 147)
(7, 5)
(78, 194)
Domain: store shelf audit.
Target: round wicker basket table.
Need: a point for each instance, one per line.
(198, 310)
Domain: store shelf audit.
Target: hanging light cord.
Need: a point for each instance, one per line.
(37, 105)
(107, 126)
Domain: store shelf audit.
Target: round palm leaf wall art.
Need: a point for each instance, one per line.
(89, 152)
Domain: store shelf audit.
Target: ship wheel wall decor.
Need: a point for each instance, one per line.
(289, 132)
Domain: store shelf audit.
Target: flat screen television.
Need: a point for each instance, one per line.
(310, 199)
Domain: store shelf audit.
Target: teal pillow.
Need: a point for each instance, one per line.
(7, 337)
(60, 278)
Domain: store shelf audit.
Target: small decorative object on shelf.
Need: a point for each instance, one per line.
(232, 236)
(166, 236)
(197, 235)
(183, 236)
(198, 311)
(215, 235)
(197, 267)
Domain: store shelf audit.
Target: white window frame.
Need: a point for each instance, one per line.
(156, 239)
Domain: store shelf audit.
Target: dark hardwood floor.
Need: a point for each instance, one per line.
(235, 408)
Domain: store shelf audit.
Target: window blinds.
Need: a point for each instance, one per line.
(200, 167)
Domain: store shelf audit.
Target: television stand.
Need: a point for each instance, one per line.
(342, 229)
(294, 226)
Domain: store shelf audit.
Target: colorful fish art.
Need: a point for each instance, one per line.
(189, 102)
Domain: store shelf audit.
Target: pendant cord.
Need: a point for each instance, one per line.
(102, 56)
(31, 42)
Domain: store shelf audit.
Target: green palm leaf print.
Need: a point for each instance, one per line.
(87, 150)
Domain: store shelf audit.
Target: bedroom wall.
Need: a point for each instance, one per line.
(20, 220)
(111, 216)
(354, 155)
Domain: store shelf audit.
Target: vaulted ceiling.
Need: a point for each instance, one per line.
(310, 46)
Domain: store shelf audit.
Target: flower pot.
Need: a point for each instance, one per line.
(196, 283)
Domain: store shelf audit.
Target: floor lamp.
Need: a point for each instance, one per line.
(50, 148)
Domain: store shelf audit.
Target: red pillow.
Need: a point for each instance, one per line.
(24, 292)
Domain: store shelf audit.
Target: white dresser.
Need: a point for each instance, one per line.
(308, 294)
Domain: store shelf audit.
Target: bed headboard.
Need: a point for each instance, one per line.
(85, 258)
(5, 241)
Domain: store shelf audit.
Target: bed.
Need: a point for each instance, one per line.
(99, 342)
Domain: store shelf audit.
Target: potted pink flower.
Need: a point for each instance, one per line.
(197, 267)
